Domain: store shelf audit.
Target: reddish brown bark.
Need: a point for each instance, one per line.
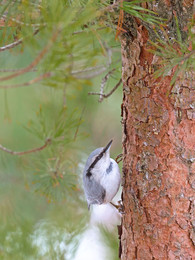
(159, 159)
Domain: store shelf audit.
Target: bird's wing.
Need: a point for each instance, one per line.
(94, 191)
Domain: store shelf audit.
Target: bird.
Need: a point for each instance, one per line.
(101, 177)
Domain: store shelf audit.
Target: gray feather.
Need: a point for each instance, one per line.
(89, 160)
(94, 192)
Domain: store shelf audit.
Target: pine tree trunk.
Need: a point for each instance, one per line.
(159, 152)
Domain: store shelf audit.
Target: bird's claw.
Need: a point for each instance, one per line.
(119, 207)
(119, 158)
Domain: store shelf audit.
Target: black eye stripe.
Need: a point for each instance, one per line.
(94, 163)
(97, 159)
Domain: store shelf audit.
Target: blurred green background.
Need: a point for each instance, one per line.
(42, 205)
(20, 206)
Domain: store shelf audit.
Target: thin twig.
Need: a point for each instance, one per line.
(47, 142)
(106, 95)
(35, 61)
(11, 45)
(79, 123)
(115, 88)
(64, 96)
(103, 83)
(14, 44)
(28, 83)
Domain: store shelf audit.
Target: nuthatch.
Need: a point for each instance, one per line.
(101, 176)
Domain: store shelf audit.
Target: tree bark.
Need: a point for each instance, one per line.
(159, 151)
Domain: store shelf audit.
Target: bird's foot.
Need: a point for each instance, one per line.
(119, 207)
(119, 158)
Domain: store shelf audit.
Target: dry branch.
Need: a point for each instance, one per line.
(103, 83)
(102, 96)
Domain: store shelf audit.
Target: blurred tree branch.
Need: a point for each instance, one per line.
(47, 142)
(14, 44)
(11, 45)
(36, 60)
(28, 83)
(22, 23)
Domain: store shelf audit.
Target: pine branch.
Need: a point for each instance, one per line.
(146, 15)
(14, 44)
(175, 55)
(47, 142)
(188, 55)
(92, 72)
(36, 60)
(26, 24)
(11, 45)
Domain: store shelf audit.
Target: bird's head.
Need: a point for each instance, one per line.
(99, 159)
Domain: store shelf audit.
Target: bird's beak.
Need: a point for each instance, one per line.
(107, 147)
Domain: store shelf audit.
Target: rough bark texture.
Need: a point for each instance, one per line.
(159, 155)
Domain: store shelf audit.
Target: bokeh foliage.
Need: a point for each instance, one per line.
(66, 47)
(41, 197)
